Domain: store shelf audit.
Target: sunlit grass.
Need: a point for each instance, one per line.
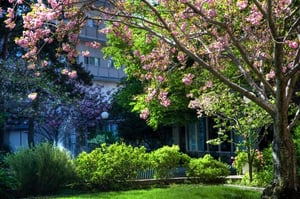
(174, 192)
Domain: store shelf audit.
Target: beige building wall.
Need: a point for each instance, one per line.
(102, 69)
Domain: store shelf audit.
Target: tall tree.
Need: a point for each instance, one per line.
(258, 40)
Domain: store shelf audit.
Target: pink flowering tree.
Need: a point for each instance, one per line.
(160, 102)
(257, 40)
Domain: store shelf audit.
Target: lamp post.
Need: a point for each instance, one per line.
(104, 115)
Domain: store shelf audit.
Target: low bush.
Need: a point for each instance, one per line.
(111, 166)
(8, 183)
(264, 175)
(242, 159)
(207, 170)
(167, 158)
(41, 170)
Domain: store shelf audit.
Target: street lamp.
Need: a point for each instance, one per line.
(104, 115)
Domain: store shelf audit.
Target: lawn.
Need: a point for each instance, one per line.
(174, 192)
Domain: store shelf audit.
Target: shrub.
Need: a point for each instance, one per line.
(207, 170)
(110, 166)
(41, 170)
(264, 175)
(167, 158)
(8, 183)
(242, 159)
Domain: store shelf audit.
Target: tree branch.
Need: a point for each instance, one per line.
(295, 120)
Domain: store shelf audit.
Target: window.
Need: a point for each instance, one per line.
(89, 23)
(192, 137)
(92, 61)
(200, 132)
(110, 63)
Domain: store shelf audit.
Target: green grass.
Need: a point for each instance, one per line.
(174, 192)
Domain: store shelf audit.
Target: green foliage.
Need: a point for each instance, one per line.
(41, 170)
(297, 144)
(258, 161)
(8, 183)
(264, 174)
(109, 166)
(208, 170)
(107, 137)
(135, 93)
(239, 161)
(167, 158)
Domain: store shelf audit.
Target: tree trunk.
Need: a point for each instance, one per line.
(285, 184)
(250, 163)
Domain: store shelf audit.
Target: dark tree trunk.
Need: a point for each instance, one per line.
(285, 184)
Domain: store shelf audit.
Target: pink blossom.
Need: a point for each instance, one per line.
(208, 84)
(242, 4)
(105, 30)
(10, 13)
(255, 16)
(180, 57)
(72, 74)
(94, 44)
(144, 113)
(10, 24)
(66, 47)
(31, 66)
(212, 13)
(188, 78)
(292, 44)
(136, 53)
(183, 26)
(270, 75)
(73, 37)
(53, 3)
(160, 78)
(151, 94)
(165, 102)
(284, 69)
(85, 53)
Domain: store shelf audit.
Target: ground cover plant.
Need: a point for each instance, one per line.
(190, 191)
